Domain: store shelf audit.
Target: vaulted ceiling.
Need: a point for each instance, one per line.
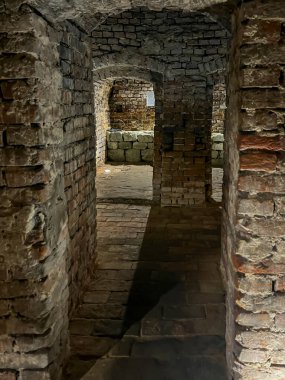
(88, 13)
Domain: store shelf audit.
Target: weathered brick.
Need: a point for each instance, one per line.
(255, 320)
(264, 10)
(254, 207)
(258, 162)
(261, 31)
(263, 143)
(260, 77)
(258, 120)
(253, 356)
(267, 227)
(255, 284)
(262, 184)
(267, 98)
(279, 284)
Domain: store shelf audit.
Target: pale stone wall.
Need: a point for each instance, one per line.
(130, 146)
(217, 150)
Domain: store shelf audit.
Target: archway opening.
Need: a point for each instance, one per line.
(125, 121)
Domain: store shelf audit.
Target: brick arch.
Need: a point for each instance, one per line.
(127, 71)
(103, 81)
(129, 61)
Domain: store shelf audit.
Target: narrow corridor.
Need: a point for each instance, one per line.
(155, 307)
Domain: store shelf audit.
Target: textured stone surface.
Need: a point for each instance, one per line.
(253, 228)
(134, 148)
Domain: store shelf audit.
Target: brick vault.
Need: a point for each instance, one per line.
(61, 64)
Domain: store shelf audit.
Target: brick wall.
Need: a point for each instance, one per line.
(188, 55)
(128, 106)
(102, 117)
(34, 233)
(253, 235)
(219, 105)
(79, 160)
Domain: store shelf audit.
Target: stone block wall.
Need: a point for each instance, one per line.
(188, 60)
(253, 222)
(128, 106)
(132, 147)
(217, 150)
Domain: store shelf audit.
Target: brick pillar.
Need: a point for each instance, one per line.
(185, 143)
(33, 220)
(253, 220)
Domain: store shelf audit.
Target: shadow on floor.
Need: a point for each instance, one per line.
(157, 290)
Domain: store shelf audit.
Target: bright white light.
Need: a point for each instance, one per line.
(107, 171)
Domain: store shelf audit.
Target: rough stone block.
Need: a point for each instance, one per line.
(255, 207)
(267, 227)
(261, 77)
(258, 120)
(147, 155)
(262, 31)
(279, 285)
(253, 356)
(253, 55)
(133, 155)
(125, 145)
(114, 136)
(130, 136)
(117, 155)
(112, 145)
(262, 320)
(255, 285)
(139, 145)
(217, 146)
(255, 250)
(267, 98)
(267, 184)
(145, 138)
(217, 137)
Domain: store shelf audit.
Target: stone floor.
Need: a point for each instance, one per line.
(134, 182)
(120, 182)
(155, 307)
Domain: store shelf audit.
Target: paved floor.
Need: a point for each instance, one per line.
(155, 307)
(120, 182)
(134, 182)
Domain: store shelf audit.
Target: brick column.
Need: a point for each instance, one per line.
(185, 143)
(254, 223)
(33, 220)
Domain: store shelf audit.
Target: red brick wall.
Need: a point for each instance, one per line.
(128, 106)
(254, 194)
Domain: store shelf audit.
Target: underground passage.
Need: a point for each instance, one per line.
(142, 190)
